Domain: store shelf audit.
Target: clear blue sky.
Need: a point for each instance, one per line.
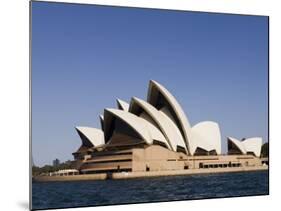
(84, 57)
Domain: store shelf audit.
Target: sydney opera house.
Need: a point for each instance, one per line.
(155, 135)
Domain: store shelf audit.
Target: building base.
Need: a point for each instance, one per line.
(131, 175)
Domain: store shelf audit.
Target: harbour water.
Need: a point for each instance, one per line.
(108, 192)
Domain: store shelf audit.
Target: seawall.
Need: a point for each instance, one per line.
(131, 175)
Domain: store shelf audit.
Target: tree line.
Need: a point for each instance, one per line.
(50, 168)
(265, 150)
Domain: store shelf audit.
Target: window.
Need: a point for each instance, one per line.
(147, 168)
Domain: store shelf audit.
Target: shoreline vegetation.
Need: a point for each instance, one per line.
(46, 169)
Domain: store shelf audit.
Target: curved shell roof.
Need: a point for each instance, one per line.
(155, 133)
(253, 145)
(101, 121)
(161, 121)
(122, 105)
(248, 145)
(142, 127)
(184, 126)
(206, 135)
(90, 136)
(238, 144)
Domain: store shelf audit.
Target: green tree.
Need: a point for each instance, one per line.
(265, 150)
(48, 168)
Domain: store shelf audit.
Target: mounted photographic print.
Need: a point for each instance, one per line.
(136, 105)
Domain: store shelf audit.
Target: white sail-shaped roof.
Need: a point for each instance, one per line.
(238, 144)
(160, 120)
(101, 121)
(146, 130)
(154, 91)
(155, 133)
(173, 132)
(206, 135)
(253, 145)
(122, 105)
(90, 136)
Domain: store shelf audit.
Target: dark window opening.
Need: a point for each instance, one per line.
(160, 143)
(107, 161)
(147, 168)
(122, 133)
(181, 149)
(171, 160)
(108, 171)
(199, 151)
(232, 149)
(250, 153)
(110, 153)
(86, 142)
(212, 152)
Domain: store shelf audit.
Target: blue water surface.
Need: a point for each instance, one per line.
(108, 192)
